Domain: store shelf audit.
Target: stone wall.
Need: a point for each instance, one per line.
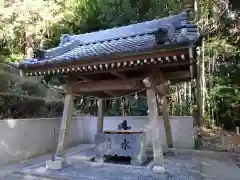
(24, 138)
(183, 129)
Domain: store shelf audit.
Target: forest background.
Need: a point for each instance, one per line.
(27, 25)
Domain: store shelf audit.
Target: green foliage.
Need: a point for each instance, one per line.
(226, 93)
(40, 23)
(19, 107)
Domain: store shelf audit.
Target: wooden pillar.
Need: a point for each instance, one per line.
(100, 115)
(199, 112)
(166, 121)
(154, 126)
(65, 125)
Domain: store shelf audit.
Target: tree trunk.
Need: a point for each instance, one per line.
(210, 87)
(199, 93)
(28, 46)
(203, 78)
(179, 100)
(190, 97)
(200, 67)
(185, 99)
(177, 112)
(122, 104)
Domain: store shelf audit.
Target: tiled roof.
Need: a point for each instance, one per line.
(132, 38)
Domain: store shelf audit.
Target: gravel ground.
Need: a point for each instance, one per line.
(181, 167)
(218, 140)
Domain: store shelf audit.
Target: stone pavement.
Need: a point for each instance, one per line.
(223, 168)
(178, 168)
(7, 169)
(184, 166)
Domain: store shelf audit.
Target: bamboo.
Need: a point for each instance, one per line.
(211, 86)
(185, 98)
(190, 96)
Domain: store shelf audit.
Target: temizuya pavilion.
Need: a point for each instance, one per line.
(119, 61)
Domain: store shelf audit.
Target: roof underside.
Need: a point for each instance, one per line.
(161, 35)
(235, 4)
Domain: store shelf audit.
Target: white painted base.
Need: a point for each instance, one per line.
(158, 169)
(99, 159)
(64, 160)
(237, 130)
(54, 165)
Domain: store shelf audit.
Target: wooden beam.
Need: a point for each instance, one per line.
(156, 81)
(160, 77)
(162, 89)
(65, 125)
(90, 80)
(166, 121)
(167, 75)
(177, 75)
(106, 85)
(111, 93)
(85, 78)
(133, 83)
(120, 76)
(154, 78)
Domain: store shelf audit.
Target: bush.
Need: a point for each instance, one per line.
(18, 107)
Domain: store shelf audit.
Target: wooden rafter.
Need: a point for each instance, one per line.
(140, 67)
(110, 93)
(131, 60)
(176, 75)
(84, 78)
(117, 74)
(131, 84)
(183, 74)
